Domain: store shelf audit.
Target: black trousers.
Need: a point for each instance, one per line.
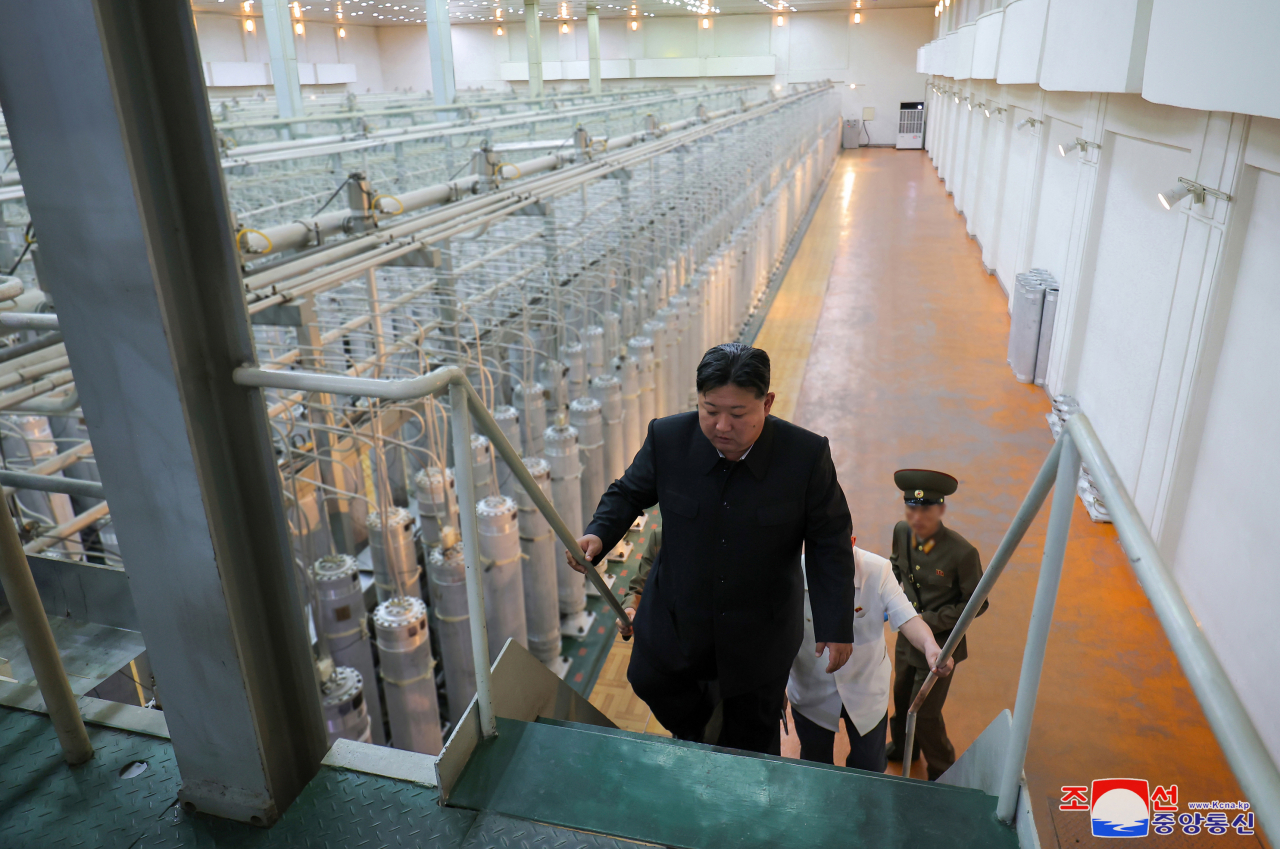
(684, 702)
(931, 731)
(817, 744)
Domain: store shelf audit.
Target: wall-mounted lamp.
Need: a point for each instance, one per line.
(857, 17)
(937, 11)
(248, 25)
(299, 28)
(706, 23)
(635, 25)
(1028, 122)
(780, 20)
(1079, 144)
(342, 32)
(1185, 187)
(499, 31)
(564, 29)
(853, 85)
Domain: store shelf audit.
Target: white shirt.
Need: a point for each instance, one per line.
(740, 459)
(863, 683)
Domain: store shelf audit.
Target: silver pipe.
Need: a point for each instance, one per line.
(29, 320)
(50, 483)
(1055, 547)
(1236, 733)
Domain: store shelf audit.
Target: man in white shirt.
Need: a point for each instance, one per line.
(858, 691)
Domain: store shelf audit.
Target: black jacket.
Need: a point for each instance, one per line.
(728, 580)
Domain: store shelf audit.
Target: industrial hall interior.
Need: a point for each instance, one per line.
(512, 424)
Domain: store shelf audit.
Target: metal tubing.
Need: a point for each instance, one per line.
(464, 474)
(1055, 547)
(1012, 539)
(29, 320)
(1236, 733)
(411, 389)
(50, 483)
(48, 340)
(37, 638)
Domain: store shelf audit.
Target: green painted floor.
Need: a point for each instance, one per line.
(45, 803)
(671, 793)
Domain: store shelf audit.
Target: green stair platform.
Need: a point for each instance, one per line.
(673, 793)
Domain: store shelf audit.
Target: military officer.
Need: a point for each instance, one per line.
(938, 570)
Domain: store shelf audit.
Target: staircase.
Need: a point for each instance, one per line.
(579, 772)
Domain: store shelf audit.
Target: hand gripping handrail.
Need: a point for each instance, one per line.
(1243, 747)
(462, 395)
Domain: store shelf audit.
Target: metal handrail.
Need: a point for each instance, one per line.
(1245, 752)
(462, 395)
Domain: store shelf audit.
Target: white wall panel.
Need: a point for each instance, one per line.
(238, 74)
(825, 40)
(667, 67)
(741, 35)
(1022, 42)
(1228, 66)
(1096, 45)
(406, 63)
(1051, 231)
(1225, 561)
(1130, 291)
(740, 66)
(986, 45)
(670, 38)
(961, 58)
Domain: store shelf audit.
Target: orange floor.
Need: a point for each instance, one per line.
(907, 368)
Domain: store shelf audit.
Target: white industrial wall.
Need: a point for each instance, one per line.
(878, 55)
(1165, 319)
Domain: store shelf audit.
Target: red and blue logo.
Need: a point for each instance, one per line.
(1120, 807)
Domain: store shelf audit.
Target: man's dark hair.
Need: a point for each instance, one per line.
(733, 362)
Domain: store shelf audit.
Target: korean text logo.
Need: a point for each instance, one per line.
(1124, 807)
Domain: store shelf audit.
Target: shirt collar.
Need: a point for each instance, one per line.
(756, 458)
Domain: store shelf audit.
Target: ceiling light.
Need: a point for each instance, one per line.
(247, 5)
(297, 8)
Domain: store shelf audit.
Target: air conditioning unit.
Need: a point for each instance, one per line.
(910, 126)
(850, 134)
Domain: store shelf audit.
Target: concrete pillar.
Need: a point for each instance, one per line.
(284, 58)
(593, 46)
(534, 33)
(443, 88)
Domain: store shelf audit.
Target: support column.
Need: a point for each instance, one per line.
(593, 46)
(533, 31)
(444, 90)
(107, 111)
(284, 58)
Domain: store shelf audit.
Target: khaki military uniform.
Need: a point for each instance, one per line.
(938, 576)
(635, 588)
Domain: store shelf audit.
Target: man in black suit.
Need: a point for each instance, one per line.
(740, 492)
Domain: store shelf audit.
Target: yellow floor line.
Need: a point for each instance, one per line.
(787, 334)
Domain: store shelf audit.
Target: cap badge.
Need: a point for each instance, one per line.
(919, 493)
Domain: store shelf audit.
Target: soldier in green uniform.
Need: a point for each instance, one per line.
(938, 570)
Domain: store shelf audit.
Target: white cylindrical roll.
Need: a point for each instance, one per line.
(530, 400)
(408, 675)
(584, 414)
(641, 348)
(561, 446)
(437, 503)
(607, 389)
(656, 330)
(541, 593)
(340, 616)
(504, 614)
(345, 714)
(508, 419)
(447, 582)
(395, 558)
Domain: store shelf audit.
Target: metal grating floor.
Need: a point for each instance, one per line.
(45, 803)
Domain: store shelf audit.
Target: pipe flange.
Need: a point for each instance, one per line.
(335, 567)
(495, 507)
(398, 516)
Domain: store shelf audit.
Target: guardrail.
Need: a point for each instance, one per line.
(1243, 747)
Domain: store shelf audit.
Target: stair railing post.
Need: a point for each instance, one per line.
(465, 473)
(1055, 547)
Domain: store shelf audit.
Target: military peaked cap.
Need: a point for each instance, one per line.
(921, 486)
